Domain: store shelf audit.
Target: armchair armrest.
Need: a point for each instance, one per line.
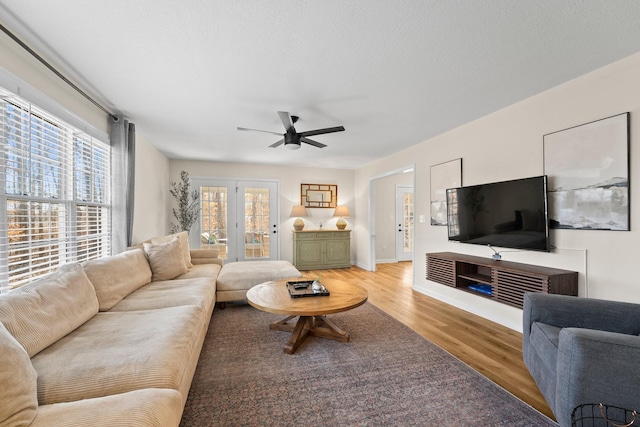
(205, 256)
(567, 312)
(596, 367)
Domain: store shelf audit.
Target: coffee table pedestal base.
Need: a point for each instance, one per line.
(317, 326)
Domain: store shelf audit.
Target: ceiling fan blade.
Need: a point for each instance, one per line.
(276, 144)
(258, 130)
(321, 131)
(312, 142)
(285, 117)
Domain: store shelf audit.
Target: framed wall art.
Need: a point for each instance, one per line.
(319, 195)
(588, 175)
(444, 175)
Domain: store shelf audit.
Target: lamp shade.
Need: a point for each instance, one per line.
(341, 211)
(298, 211)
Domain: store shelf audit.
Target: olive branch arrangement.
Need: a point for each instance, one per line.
(188, 208)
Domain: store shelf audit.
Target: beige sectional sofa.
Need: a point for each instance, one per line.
(111, 342)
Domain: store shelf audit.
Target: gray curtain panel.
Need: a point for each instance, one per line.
(123, 147)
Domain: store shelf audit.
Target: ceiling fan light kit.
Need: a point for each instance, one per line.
(293, 139)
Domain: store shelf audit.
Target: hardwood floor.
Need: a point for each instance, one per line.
(491, 349)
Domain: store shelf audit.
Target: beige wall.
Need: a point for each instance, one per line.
(491, 149)
(289, 180)
(151, 216)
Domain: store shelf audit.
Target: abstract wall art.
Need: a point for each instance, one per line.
(588, 175)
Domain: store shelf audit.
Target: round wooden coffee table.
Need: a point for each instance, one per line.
(274, 297)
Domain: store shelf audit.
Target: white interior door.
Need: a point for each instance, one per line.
(237, 217)
(404, 220)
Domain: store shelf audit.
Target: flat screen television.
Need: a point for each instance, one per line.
(507, 214)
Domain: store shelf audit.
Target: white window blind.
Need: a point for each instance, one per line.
(56, 195)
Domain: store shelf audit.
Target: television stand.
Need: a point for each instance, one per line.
(502, 281)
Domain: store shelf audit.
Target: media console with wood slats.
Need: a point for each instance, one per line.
(502, 281)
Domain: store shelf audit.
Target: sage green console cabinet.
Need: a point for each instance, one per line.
(321, 249)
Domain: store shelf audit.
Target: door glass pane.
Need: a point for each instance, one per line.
(407, 236)
(213, 219)
(256, 222)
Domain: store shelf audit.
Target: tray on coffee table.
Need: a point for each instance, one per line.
(303, 288)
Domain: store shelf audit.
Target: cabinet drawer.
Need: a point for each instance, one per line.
(305, 236)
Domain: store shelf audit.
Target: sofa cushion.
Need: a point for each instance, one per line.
(19, 403)
(183, 237)
(149, 407)
(245, 275)
(115, 277)
(544, 340)
(117, 352)
(199, 291)
(166, 259)
(202, 270)
(42, 312)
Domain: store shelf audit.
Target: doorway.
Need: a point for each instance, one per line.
(239, 218)
(385, 222)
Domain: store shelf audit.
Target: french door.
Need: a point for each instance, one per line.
(404, 219)
(237, 217)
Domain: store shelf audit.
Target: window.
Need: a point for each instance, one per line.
(56, 196)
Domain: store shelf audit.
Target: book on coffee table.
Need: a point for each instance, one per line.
(304, 288)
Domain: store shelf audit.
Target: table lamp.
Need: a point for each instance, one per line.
(298, 212)
(342, 212)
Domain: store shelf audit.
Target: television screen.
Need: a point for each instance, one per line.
(508, 214)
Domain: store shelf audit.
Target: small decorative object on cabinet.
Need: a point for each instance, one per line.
(502, 281)
(321, 249)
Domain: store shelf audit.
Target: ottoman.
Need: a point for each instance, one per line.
(236, 278)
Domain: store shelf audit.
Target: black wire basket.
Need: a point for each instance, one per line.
(599, 415)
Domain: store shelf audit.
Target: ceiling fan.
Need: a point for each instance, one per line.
(293, 139)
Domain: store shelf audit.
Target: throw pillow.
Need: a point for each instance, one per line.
(183, 237)
(18, 380)
(166, 259)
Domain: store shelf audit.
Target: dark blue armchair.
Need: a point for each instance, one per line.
(582, 351)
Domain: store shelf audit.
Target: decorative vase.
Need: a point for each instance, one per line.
(298, 224)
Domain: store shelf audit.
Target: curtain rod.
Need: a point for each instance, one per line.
(56, 72)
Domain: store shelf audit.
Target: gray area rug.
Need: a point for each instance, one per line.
(387, 375)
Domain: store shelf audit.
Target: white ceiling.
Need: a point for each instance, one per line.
(393, 73)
